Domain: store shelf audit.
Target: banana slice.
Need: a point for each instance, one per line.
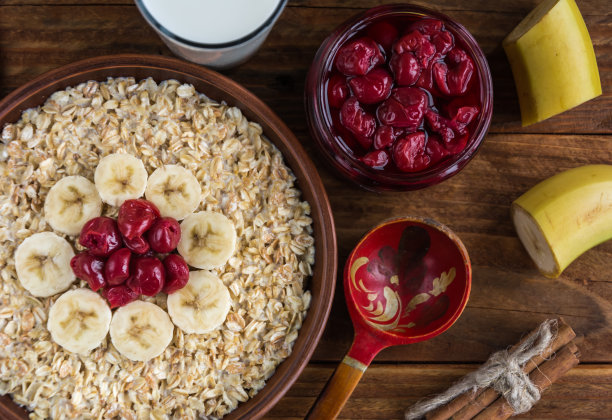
(174, 190)
(208, 239)
(200, 306)
(42, 262)
(141, 330)
(120, 177)
(79, 320)
(71, 202)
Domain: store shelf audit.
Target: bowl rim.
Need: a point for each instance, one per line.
(323, 280)
(315, 101)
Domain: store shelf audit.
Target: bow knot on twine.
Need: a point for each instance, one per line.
(504, 372)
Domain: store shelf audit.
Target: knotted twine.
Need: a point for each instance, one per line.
(503, 371)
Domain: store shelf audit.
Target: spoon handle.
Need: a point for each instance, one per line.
(337, 390)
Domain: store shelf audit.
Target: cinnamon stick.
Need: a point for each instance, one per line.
(564, 336)
(544, 377)
(468, 404)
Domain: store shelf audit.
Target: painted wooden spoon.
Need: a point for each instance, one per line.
(406, 281)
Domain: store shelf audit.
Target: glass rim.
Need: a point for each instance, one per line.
(211, 46)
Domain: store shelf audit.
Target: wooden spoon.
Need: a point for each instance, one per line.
(406, 281)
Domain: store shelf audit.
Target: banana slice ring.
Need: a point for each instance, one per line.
(202, 305)
(42, 262)
(79, 320)
(208, 239)
(70, 203)
(174, 190)
(141, 330)
(120, 177)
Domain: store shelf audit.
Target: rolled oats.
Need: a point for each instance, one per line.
(243, 176)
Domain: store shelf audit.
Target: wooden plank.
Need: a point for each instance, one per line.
(386, 390)
(38, 38)
(587, 7)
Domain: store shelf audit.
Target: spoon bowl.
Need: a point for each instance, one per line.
(407, 280)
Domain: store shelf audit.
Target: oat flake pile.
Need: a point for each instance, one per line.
(242, 175)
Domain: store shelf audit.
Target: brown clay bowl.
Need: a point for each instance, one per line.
(219, 88)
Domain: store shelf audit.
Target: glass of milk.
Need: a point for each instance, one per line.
(216, 33)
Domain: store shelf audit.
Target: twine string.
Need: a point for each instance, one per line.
(503, 371)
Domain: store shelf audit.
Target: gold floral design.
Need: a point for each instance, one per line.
(386, 313)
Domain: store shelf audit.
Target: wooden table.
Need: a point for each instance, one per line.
(508, 297)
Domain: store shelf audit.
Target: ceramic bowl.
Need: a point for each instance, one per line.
(220, 88)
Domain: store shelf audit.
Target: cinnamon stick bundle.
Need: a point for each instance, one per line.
(486, 403)
(544, 377)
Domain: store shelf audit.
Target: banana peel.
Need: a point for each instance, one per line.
(552, 60)
(565, 215)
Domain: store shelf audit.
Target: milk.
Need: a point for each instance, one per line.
(211, 21)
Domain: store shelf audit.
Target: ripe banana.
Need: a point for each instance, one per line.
(200, 306)
(42, 262)
(120, 177)
(79, 320)
(174, 190)
(71, 202)
(552, 61)
(565, 215)
(208, 239)
(141, 330)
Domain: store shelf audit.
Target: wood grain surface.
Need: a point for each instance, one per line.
(509, 297)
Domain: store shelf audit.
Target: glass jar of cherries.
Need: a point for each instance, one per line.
(399, 97)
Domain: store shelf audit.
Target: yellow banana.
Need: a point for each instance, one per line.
(565, 215)
(552, 60)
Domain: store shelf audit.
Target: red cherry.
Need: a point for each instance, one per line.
(147, 276)
(337, 91)
(347, 137)
(377, 159)
(177, 273)
(358, 57)
(453, 131)
(354, 118)
(135, 217)
(443, 41)
(440, 125)
(383, 137)
(416, 42)
(469, 100)
(89, 268)
(384, 33)
(406, 69)
(409, 153)
(373, 87)
(404, 108)
(117, 267)
(453, 78)
(137, 245)
(464, 116)
(100, 236)
(119, 295)
(427, 26)
(435, 149)
(164, 235)
(457, 144)
(426, 78)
